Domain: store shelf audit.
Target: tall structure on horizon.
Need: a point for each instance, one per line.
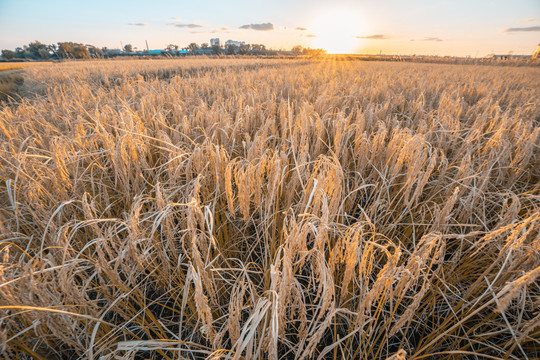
(214, 42)
(235, 43)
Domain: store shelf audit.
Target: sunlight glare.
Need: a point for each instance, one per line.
(336, 31)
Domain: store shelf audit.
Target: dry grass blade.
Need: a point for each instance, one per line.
(270, 209)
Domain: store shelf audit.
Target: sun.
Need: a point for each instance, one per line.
(336, 31)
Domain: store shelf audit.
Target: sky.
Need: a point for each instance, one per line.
(425, 27)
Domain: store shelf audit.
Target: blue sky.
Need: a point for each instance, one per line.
(473, 27)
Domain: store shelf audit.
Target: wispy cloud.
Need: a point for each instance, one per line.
(258, 27)
(431, 38)
(210, 31)
(311, 35)
(138, 24)
(522, 29)
(188, 26)
(178, 23)
(301, 28)
(374, 37)
(529, 20)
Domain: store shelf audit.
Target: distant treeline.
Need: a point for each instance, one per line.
(69, 50)
(62, 50)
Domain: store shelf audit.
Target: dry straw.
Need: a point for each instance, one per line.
(270, 209)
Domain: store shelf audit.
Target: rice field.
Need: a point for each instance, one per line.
(14, 65)
(270, 209)
(10, 79)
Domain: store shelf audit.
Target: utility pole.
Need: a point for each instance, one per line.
(146, 41)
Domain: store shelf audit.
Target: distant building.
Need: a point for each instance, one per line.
(235, 43)
(214, 42)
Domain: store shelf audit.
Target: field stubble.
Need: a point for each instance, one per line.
(251, 209)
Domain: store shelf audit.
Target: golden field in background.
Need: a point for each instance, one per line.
(16, 65)
(270, 209)
(11, 78)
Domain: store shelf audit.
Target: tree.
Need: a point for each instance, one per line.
(171, 47)
(80, 52)
(37, 50)
(297, 49)
(53, 48)
(258, 48)
(19, 51)
(94, 51)
(243, 50)
(73, 50)
(128, 48)
(193, 47)
(8, 54)
(231, 49)
(217, 49)
(313, 52)
(65, 50)
(205, 46)
(44, 53)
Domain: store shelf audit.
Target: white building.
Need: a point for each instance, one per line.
(235, 43)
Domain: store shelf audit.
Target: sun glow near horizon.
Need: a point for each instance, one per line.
(337, 31)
